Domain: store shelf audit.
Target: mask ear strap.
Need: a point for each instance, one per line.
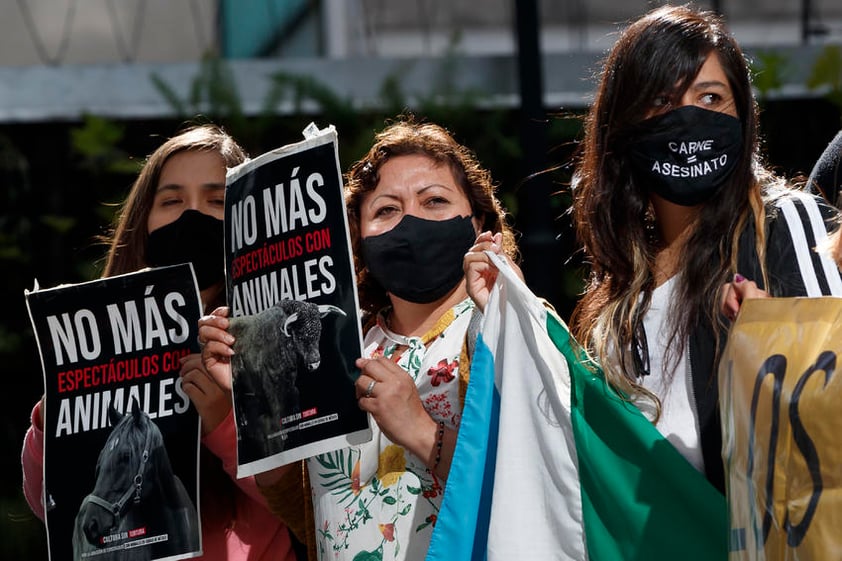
(477, 230)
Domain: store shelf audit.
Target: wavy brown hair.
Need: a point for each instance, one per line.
(406, 136)
(659, 54)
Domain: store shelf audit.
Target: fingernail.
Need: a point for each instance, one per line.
(738, 278)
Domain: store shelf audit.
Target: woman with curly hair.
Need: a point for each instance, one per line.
(417, 202)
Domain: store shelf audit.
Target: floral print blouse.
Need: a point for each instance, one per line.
(376, 500)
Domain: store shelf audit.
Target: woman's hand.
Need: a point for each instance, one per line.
(385, 390)
(210, 377)
(211, 395)
(480, 272)
(734, 292)
(215, 340)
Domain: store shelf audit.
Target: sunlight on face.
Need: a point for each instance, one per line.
(189, 180)
(414, 185)
(709, 90)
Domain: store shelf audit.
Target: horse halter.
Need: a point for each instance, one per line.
(119, 508)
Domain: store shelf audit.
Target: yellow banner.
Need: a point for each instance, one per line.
(781, 403)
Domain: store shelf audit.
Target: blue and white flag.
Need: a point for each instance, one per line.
(551, 463)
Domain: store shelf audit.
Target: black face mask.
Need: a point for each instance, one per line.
(686, 155)
(194, 238)
(420, 260)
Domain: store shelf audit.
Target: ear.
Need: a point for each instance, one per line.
(137, 412)
(113, 415)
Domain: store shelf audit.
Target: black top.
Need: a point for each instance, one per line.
(826, 176)
(786, 275)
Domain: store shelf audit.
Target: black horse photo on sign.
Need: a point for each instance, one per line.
(139, 509)
(273, 349)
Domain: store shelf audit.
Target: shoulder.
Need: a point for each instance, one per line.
(797, 237)
(794, 210)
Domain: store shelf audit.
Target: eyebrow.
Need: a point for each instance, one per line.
(422, 190)
(178, 186)
(432, 185)
(709, 84)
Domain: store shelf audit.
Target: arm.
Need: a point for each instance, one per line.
(802, 259)
(222, 442)
(396, 407)
(281, 489)
(208, 383)
(32, 463)
(206, 379)
(797, 260)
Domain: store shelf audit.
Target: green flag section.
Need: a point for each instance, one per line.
(551, 463)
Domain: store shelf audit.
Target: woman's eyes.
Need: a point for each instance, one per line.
(661, 101)
(385, 210)
(707, 99)
(435, 201)
(172, 201)
(710, 98)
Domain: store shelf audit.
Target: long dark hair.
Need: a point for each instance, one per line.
(658, 55)
(127, 252)
(407, 136)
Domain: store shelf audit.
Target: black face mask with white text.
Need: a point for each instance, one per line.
(686, 155)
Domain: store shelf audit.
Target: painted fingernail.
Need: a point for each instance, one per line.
(738, 278)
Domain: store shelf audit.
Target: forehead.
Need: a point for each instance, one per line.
(200, 166)
(413, 172)
(712, 70)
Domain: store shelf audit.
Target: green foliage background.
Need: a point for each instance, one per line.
(62, 183)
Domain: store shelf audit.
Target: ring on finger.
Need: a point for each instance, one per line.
(369, 388)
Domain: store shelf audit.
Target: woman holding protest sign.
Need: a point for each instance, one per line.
(671, 201)
(416, 203)
(173, 214)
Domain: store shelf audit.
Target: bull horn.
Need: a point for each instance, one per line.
(291, 318)
(325, 309)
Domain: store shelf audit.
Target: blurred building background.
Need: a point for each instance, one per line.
(60, 58)
(88, 87)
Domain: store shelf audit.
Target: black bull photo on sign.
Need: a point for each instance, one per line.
(271, 349)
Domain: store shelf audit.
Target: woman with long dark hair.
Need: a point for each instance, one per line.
(671, 200)
(174, 214)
